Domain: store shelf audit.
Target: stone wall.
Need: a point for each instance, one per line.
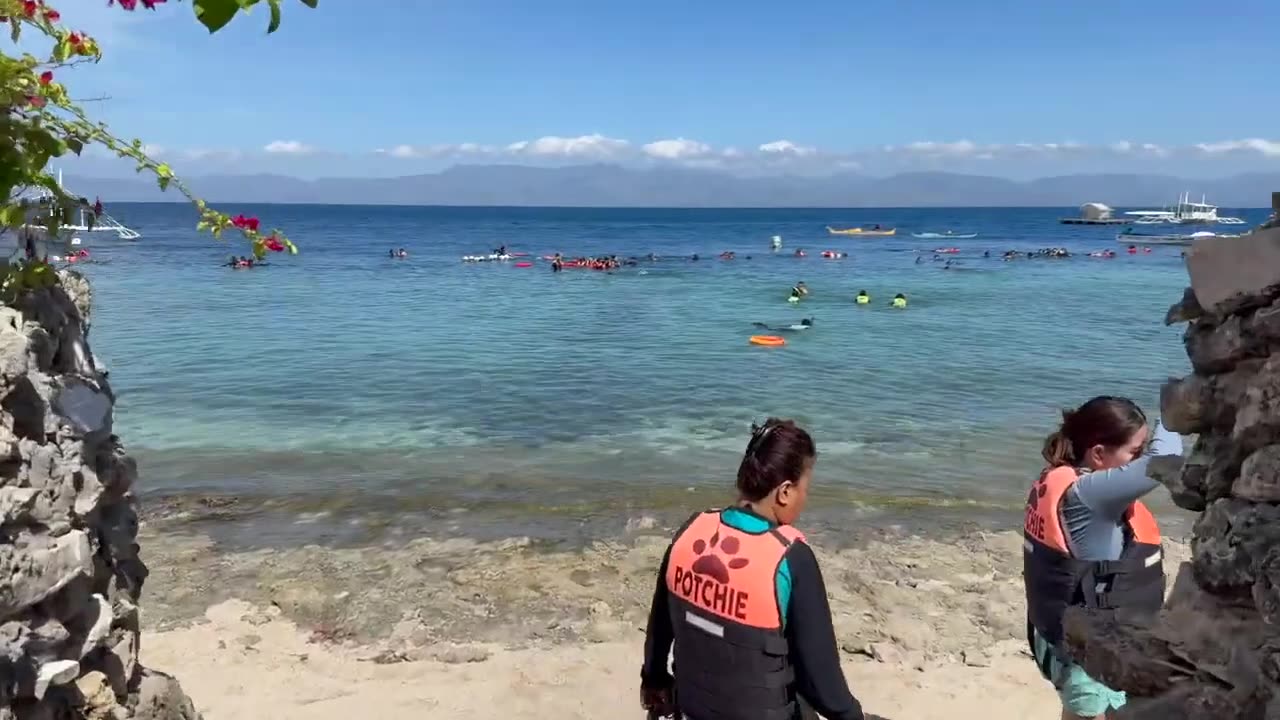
(1214, 651)
(71, 575)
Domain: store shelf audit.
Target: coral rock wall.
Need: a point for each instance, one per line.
(70, 575)
(1214, 651)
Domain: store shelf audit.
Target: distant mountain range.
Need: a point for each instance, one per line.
(616, 186)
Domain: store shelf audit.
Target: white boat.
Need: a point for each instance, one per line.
(86, 219)
(1184, 213)
(1135, 238)
(943, 235)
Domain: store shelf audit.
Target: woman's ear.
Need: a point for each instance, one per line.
(1094, 456)
(784, 493)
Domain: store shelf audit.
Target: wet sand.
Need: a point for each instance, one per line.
(929, 627)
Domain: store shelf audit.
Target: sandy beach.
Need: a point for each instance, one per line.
(929, 628)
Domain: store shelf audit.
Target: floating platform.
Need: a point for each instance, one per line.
(1092, 221)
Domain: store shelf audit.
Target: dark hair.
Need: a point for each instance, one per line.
(1105, 420)
(779, 451)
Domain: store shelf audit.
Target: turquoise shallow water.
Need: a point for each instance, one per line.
(341, 383)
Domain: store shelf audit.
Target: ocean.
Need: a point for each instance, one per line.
(342, 396)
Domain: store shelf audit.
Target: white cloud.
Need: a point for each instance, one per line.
(403, 151)
(929, 147)
(288, 147)
(676, 149)
(595, 145)
(786, 147)
(1123, 147)
(154, 150)
(207, 154)
(1268, 148)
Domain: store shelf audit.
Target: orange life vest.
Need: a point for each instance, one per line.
(731, 659)
(1055, 580)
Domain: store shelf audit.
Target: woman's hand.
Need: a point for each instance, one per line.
(658, 701)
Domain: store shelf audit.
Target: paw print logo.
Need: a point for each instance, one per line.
(714, 565)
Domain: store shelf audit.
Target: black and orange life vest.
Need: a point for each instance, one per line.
(1055, 580)
(731, 659)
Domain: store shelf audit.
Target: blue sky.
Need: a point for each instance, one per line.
(1008, 88)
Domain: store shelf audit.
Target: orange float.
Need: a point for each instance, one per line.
(767, 340)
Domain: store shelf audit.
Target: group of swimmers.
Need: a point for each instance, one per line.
(764, 615)
(604, 264)
(398, 254)
(242, 263)
(800, 291)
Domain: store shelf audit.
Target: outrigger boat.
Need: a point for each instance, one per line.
(87, 219)
(1129, 237)
(1184, 213)
(860, 232)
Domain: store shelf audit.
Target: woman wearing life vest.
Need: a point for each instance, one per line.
(740, 596)
(1089, 540)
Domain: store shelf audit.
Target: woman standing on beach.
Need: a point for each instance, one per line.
(1089, 540)
(740, 595)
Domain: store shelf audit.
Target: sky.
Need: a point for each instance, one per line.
(1013, 88)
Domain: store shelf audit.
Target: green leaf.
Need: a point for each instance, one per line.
(163, 181)
(15, 31)
(310, 3)
(275, 16)
(11, 216)
(215, 14)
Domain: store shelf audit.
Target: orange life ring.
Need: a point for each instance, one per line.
(768, 340)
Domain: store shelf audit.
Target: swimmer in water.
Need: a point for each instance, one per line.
(804, 324)
(899, 301)
(804, 290)
(863, 298)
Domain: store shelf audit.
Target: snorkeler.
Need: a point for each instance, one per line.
(804, 324)
(863, 298)
(899, 301)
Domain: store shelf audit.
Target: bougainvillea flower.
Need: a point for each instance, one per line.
(36, 101)
(151, 4)
(52, 15)
(245, 223)
(273, 244)
(46, 77)
(29, 8)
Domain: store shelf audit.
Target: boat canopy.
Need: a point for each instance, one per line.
(1095, 211)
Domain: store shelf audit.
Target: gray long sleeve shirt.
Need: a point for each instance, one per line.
(1094, 507)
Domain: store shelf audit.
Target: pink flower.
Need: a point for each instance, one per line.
(36, 101)
(133, 4)
(29, 8)
(52, 15)
(245, 223)
(273, 244)
(46, 77)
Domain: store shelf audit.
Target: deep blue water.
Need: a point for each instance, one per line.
(343, 381)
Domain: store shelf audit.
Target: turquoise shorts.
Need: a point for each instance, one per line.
(1080, 694)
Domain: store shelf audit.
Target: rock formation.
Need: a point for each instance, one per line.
(69, 634)
(1214, 651)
